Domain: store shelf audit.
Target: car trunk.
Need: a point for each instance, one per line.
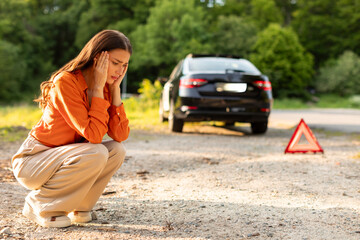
(236, 84)
(231, 91)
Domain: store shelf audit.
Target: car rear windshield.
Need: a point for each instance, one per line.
(217, 64)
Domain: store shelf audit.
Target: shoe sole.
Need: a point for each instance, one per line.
(79, 219)
(27, 212)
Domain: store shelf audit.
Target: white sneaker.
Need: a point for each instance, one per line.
(55, 221)
(80, 216)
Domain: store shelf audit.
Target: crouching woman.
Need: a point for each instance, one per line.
(64, 160)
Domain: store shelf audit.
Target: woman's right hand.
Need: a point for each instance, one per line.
(100, 70)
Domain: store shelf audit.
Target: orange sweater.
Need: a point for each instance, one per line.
(68, 118)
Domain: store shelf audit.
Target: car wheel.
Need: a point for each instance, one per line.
(175, 124)
(229, 124)
(259, 127)
(161, 112)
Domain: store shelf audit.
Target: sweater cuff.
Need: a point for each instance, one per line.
(119, 111)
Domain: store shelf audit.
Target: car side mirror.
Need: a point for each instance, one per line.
(162, 80)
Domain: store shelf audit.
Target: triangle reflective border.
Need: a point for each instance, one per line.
(295, 147)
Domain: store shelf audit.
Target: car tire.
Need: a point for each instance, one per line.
(175, 124)
(229, 124)
(259, 127)
(161, 112)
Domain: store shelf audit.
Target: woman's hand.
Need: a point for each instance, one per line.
(100, 71)
(115, 88)
(117, 82)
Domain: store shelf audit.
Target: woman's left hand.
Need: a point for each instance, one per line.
(117, 82)
(115, 89)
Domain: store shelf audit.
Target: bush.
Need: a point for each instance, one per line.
(12, 72)
(279, 54)
(340, 76)
(149, 94)
(142, 111)
(148, 99)
(234, 35)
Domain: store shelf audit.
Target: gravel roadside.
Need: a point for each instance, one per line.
(213, 183)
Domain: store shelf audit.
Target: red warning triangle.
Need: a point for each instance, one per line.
(295, 147)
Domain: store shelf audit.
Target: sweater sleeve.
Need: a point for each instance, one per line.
(91, 123)
(118, 124)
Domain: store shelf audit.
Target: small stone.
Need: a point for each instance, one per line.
(93, 216)
(253, 234)
(5, 230)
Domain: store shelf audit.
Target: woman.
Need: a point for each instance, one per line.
(64, 160)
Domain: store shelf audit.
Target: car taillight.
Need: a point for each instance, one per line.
(192, 82)
(186, 108)
(264, 85)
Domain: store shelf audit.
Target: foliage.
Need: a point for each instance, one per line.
(278, 54)
(149, 94)
(322, 101)
(25, 116)
(143, 111)
(265, 12)
(173, 29)
(122, 15)
(234, 35)
(340, 76)
(41, 36)
(230, 8)
(287, 9)
(328, 27)
(12, 71)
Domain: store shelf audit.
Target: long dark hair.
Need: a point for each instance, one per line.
(105, 40)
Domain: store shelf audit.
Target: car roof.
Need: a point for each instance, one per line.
(195, 55)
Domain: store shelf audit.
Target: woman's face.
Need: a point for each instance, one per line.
(118, 64)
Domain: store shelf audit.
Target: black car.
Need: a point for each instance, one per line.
(216, 88)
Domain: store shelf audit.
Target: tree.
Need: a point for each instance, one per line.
(328, 27)
(264, 12)
(279, 54)
(173, 29)
(12, 72)
(287, 8)
(234, 35)
(58, 30)
(122, 15)
(239, 8)
(100, 14)
(340, 76)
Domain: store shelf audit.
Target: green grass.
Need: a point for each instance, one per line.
(322, 101)
(143, 115)
(22, 115)
(16, 121)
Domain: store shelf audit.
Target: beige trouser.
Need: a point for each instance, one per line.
(66, 178)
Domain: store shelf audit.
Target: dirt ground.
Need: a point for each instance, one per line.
(212, 183)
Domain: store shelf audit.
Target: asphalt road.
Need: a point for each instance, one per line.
(342, 120)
